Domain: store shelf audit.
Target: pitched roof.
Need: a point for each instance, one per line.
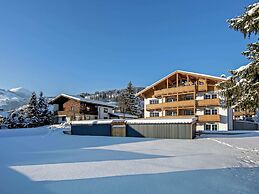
(184, 72)
(78, 98)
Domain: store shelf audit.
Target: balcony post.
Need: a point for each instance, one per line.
(177, 78)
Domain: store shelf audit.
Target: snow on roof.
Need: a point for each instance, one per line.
(101, 103)
(119, 114)
(160, 121)
(92, 122)
(179, 71)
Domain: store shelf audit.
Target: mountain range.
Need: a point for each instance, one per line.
(13, 98)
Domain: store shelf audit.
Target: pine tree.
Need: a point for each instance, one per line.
(241, 89)
(128, 102)
(44, 115)
(35, 113)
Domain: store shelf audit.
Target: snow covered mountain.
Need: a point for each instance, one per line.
(13, 98)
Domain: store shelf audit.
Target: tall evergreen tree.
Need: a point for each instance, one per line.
(43, 111)
(128, 102)
(241, 89)
(33, 106)
(33, 111)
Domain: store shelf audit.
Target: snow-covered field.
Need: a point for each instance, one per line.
(44, 160)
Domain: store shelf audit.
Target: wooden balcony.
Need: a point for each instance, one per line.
(209, 102)
(170, 105)
(154, 107)
(175, 117)
(209, 118)
(181, 89)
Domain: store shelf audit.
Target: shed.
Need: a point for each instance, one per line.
(162, 128)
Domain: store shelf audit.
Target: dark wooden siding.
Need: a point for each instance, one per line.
(168, 131)
(95, 130)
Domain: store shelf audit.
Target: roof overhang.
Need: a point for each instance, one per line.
(219, 79)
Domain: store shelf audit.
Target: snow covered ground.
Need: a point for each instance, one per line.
(44, 160)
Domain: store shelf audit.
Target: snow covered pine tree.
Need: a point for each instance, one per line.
(128, 102)
(44, 115)
(34, 114)
(241, 89)
(32, 111)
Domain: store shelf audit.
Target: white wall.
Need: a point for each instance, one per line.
(146, 101)
(102, 114)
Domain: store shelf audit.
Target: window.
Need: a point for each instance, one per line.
(207, 111)
(105, 110)
(206, 96)
(170, 99)
(188, 97)
(214, 127)
(214, 111)
(214, 96)
(170, 113)
(188, 112)
(207, 127)
(154, 114)
(210, 96)
(154, 101)
(210, 127)
(210, 111)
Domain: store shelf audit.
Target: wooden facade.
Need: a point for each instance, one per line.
(76, 108)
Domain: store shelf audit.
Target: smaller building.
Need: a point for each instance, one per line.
(74, 108)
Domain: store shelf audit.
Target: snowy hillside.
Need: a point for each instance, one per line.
(13, 98)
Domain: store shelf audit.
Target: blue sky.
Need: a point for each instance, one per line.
(88, 45)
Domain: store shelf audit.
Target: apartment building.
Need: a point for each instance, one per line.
(184, 94)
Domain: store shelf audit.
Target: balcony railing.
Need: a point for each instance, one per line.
(170, 105)
(209, 118)
(176, 117)
(181, 89)
(209, 102)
